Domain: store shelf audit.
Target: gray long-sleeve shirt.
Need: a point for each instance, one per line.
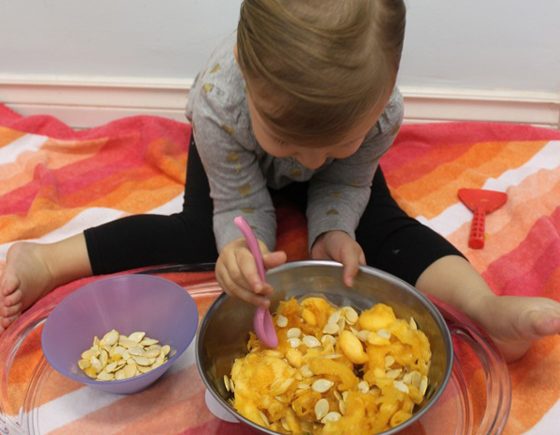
(240, 172)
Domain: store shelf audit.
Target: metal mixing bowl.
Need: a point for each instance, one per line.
(224, 331)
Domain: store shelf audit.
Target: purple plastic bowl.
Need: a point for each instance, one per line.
(127, 303)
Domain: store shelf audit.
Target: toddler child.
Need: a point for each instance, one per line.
(301, 102)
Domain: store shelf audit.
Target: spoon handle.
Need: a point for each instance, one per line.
(262, 322)
(252, 243)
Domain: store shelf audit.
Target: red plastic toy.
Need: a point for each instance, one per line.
(480, 202)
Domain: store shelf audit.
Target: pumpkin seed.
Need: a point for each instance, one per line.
(294, 342)
(401, 386)
(321, 408)
(423, 385)
(350, 315)
(108, 339)
(311, 341)
(363, 386)
(293, 333)
(281, 321)
(146, 341)
(330, 328)
(331, 417)
(136, 336)
(322, 385)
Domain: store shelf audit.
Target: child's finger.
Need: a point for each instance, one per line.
(248, 268)
(362, 259)
(274, 259)
(231, 288)
(350, 260)
(233, 270)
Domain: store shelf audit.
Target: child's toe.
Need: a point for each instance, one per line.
(13, 298)
(12, 310)
(7, 321)
(9, 285)
(548, 324)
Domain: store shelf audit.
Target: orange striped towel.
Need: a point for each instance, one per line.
(55, 181)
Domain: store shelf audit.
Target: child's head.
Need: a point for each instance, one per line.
(318, 72)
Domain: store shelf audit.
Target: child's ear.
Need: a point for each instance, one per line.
(235, 53)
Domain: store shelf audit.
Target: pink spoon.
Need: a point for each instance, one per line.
(262, 322)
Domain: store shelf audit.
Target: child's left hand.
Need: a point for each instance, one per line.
(339, 246)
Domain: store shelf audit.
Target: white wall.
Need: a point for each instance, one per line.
(500, 50)
(512, 44)
(114, 38)
(483, 44)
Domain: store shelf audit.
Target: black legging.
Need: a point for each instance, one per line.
(391, 240)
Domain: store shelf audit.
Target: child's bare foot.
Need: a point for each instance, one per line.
(25, 279)
(515, 322)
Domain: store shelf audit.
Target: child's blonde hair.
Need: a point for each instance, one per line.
(317, 66)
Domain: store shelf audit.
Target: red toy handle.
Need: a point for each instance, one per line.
(476, 238)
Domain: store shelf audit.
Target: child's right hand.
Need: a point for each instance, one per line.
(236, 271)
